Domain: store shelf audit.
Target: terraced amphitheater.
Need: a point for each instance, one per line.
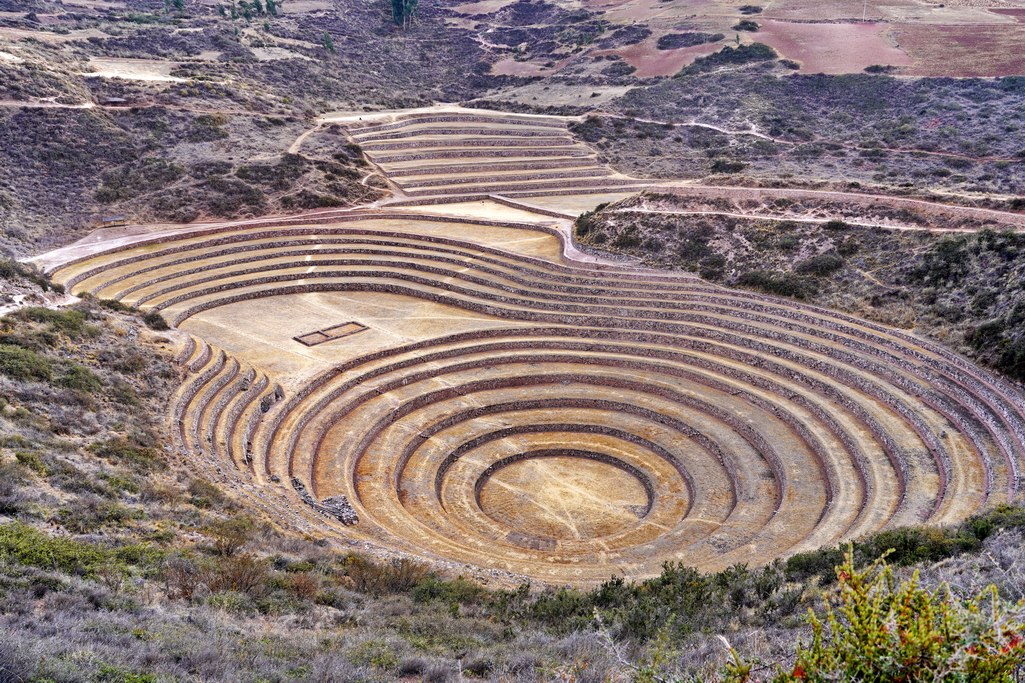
(445, 374)
(464, 389)
(444, 152)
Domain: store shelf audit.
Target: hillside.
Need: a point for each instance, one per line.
(962, 288)
(512, 340)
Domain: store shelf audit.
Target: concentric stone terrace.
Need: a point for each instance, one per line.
(451, 151)
(512, 410)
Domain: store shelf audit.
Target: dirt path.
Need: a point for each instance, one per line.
(791, 219)
(47, 104)
(295, 146)
(930, 207)
(780, 141)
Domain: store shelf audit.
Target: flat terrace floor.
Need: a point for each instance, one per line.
(261, 331)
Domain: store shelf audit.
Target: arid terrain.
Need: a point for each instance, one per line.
(512, 340)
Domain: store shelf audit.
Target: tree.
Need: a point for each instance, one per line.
(402, 12)
(328, 42)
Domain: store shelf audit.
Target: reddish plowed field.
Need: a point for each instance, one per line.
(650, 61)
(832, 48)
(964, 51)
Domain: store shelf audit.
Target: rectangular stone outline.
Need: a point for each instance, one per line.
(330, 333)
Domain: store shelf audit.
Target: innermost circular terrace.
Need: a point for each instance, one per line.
(564, 494)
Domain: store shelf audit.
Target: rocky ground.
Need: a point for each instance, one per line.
(962, 289)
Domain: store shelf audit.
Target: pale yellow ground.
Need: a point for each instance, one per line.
(261, 331)
(482, 209)
(134, 69)
(562, 497)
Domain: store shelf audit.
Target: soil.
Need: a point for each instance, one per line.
(832, 48)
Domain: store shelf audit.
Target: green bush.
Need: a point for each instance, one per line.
(113, 674)
(23, 364)
(456, 591)
(731, 56)
(821, 265)
(910, 545)
(14, 271)
(376, 653)
(33, 461)
(583, 224)
(120, 450)
(155, 321)
(21, 544)
(70, 322)
(727, 166)
(884, 631)
(231, 533)
(80, 379)
(114, 305)
(205, 495)
(84, 519)
(781, 284)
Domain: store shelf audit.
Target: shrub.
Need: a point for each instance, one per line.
(627, 239)
(114, 674)
(94, 515)
(231, 601)
(155, 321)
(583, 224)
(121, 450)
(80, 379)
(836, 225)
(882, 631)
(456, 591)
(910, 544)
(673, 41)
(21, 544)
(731, 56)
(780, 284)
(67, 321)
(947, 262)
(240, 573)
(181, 577)
(377, 653)
(302, 585)
(727, 166)
(746, 25)
(820, 265)
(397, 576)
(231, 534)
(205, 495)
(31, 460)
(23, 364)
(13, 271)
(114, 305)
